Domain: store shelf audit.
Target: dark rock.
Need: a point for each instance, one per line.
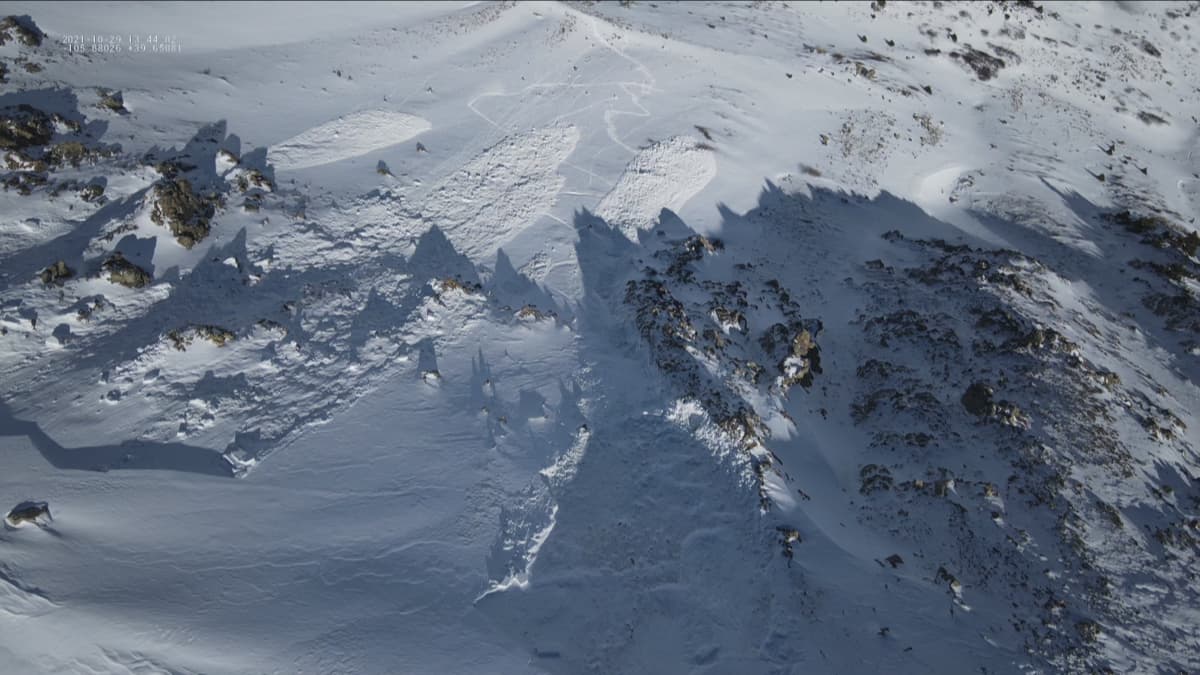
(744, 426)
(254, 178)
(456, 284)
(1089, 631)
(170, 168)
(25, 181)
(1150, 118)
(181, 339)
(91, 192)
(730, 318)
(1138, 224)
(56, 273)
(121, 271)
(531, 313)
(68, 152)
(788, 534)
(788, 537)
(978, 400)
(23, 127)
(944, 575)
(985, 65)
(114, 101)
(941, 488)
(875, 478)
(22, 29)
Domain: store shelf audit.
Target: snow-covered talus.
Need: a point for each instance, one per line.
(599, 337)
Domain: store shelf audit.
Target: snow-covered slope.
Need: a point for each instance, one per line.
(600, 337)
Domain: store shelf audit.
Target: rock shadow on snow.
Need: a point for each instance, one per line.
(132, 454)
(21, 266)
(138, 250)
(436, 258)
(514, 290)
(427, 363)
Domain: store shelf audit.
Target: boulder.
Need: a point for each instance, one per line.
(28, 512)
(121, 271)
(978, 400)
(22, 29)
(56, 273)
(185, 213)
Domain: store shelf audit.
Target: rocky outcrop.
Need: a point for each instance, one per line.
(121, 271)
(56, 274)
(24, 126)
(182, 338)
(187, 214)
(21, 29)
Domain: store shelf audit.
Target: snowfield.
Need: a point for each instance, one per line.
(647, 337)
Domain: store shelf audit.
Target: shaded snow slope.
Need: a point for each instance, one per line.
(592, 338)
(663, 176)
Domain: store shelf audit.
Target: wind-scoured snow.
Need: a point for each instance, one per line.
(348, 136)
(600, 338)
(503, 190)
(663, 176)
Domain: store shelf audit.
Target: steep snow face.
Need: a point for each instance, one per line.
(668, 337)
